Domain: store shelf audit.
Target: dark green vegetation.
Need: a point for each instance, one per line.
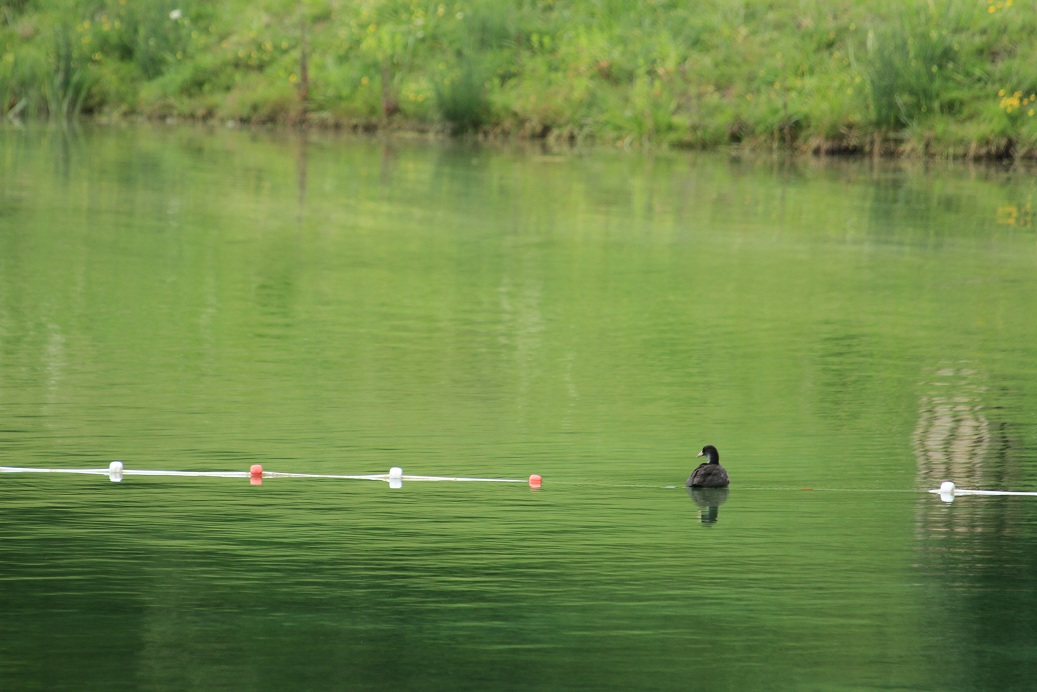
(951, 78)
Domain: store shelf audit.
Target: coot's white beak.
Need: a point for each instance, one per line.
(699, 454)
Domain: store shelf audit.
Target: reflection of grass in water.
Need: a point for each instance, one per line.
(953, 433)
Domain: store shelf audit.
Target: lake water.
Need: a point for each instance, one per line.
(848, 334)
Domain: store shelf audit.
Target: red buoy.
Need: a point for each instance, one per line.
(535, 480)
(255, 470)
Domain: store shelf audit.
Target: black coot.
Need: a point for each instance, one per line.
(711, 474)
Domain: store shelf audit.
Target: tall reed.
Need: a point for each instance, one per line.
(462, 98)
(910, 62)
(66, 90)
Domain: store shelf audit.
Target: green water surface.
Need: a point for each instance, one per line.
(848, 334)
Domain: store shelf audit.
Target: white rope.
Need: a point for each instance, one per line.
(116, 471)
(127, 472)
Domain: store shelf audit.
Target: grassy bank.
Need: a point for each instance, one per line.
(937, 77)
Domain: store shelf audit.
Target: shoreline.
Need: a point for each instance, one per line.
(876, 78)
(836, 150)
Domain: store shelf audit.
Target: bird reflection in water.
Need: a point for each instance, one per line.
(709, 501)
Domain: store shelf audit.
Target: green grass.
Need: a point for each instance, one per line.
(462, 98)
(869, 76)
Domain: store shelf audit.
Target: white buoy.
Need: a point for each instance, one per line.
(947, 491)
(395, 477)
(115, 472)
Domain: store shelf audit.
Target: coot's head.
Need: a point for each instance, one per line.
(711, 453)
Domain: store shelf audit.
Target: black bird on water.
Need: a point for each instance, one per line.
(710, 474)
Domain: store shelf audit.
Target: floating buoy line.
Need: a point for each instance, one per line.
(116, 471)
(948, 491)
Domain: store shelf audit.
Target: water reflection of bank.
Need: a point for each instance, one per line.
(953, 433)
(977, 557)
